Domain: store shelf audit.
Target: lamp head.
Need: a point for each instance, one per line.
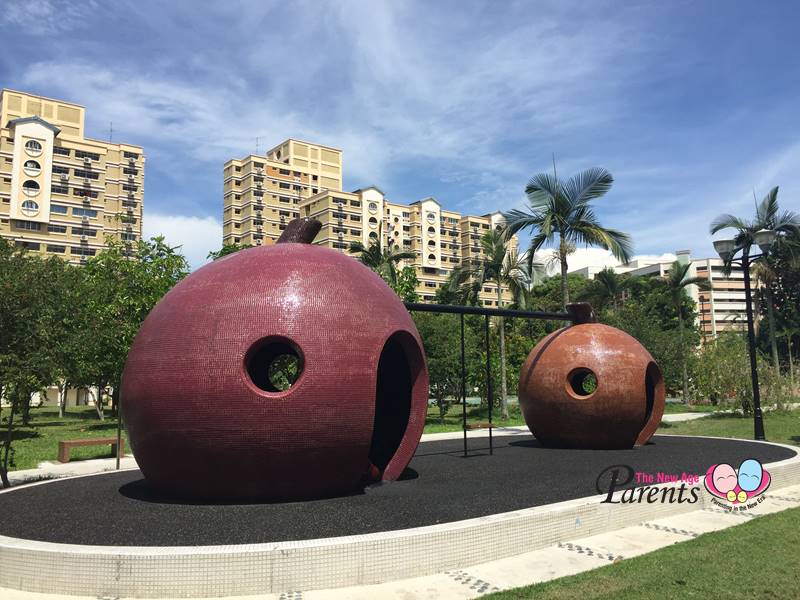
(725, 249)
(765, 238)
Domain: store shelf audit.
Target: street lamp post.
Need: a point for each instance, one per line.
(727, 250)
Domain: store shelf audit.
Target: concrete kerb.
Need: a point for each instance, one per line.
(209, 571)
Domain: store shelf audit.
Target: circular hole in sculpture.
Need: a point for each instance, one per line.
(582, 382)
(274, 365)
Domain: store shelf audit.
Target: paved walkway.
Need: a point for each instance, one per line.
(566, 558)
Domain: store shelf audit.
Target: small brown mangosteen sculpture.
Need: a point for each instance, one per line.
(591, 386)
(281, 372)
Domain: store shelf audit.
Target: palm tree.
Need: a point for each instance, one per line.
(381, 260)
(606, 288)
(767, 217)
(677, 281)
(563, 210)
(501, 265)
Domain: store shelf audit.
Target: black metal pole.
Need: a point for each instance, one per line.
(488, 381)
(463, 386)
(758, 417)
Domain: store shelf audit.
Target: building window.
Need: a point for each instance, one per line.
(84, 154)
(285, 186)
(29, 208)
(56, 249)
(58, 208)
(60, 150)
(84, 193)
(79, 251)
(132, 155)
(129, 171)
(431, 217)
(30, 188)
(84, 231)
(130, 188)
(28, 225)
(283, 171)
(60, 189)
(32, 168)
(86, 174)
(28, 245)
(33, 147)
(432, 258)
(61, 170)
(56, 229)
(84, 212)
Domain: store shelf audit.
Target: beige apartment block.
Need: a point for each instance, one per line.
(441, 240)
(261, 194)
(61, 193)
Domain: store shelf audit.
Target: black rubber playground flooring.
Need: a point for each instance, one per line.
(119, 509)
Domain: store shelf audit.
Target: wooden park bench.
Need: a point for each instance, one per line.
(65, 446)
(481, 425)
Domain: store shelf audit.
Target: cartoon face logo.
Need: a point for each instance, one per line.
(735, 486)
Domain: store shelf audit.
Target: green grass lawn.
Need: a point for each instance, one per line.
(39, 441)
(780, 426)
(475, 414)
(758, 559)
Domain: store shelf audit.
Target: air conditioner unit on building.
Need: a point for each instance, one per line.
(131, 161)
(87, 160)
(130, 209)
(87, 181)
(64, 177)
(84, 238)
(259, 184)
(83, 260)
(85, 220)
(86, 199)
(131, 177)
(341, 234)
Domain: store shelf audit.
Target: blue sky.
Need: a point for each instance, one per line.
(690, 105)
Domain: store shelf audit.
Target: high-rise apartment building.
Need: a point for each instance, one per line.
(263, 193)
(62, 193)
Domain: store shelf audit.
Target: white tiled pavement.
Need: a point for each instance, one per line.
(566, 558)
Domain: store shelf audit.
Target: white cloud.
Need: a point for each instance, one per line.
(196, 236)
(45, 17)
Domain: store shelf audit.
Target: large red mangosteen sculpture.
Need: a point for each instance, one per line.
(203, 391)
(591, 386)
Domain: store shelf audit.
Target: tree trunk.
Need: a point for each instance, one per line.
(562, 255)
(115, 401)
(98, 402)
(683, 358)
(7, 444)
(503, 384)
(771, 319)
(62, 398)
(791, 363)
(26, 409)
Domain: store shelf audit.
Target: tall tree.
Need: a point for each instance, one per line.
(499, 264)
(605, 289)
(767, 216)
(383, 261)
(678, 280)
(560, 214)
